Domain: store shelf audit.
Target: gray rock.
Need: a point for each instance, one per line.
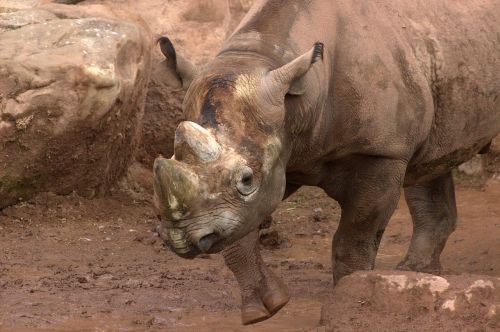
(72, 90)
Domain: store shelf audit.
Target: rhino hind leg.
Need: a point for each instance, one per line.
(433, 209)
(262, 293)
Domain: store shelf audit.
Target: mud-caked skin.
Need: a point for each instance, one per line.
(360, 98)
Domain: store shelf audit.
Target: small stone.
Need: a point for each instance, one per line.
(493, 315)
(473, 167)
(82, 279)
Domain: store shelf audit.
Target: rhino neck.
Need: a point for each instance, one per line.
(273, 52)
(269, 54)
(280, 30)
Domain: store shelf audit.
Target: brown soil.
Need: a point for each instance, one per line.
(67, 263)
(72, 264)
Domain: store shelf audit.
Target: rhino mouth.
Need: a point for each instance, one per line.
(191, 251)
(189, 245)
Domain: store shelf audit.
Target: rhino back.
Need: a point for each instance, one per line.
(462, 40)
(412, 79)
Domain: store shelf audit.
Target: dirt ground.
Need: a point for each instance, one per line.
(72, 264)
(67, 263)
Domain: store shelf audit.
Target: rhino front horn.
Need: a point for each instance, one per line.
(194, 143)
(176, 187)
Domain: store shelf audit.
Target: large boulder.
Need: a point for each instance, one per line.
(72, 89)
(411, 301)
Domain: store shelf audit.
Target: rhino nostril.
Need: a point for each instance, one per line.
(206, 242)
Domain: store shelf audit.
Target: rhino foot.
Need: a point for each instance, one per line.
(419, 266)
(253, 312)
(434, 214)
(265, 302)
(262, 293)
(276, 300)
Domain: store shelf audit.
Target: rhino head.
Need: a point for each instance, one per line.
(228, 169)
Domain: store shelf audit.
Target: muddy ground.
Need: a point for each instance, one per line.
(72, 264)
(67, 263)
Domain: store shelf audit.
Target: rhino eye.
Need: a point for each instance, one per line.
(245, 183)
(247, 179)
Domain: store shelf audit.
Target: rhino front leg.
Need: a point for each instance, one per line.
(262, 293)
(434, 213)
(368, 190)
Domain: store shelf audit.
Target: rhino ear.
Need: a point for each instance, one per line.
(175, 64)
(290, 78)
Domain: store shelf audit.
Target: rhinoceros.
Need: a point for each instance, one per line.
(363, 99)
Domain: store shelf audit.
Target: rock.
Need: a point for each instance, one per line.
(271, 239)
(473, 167)
(163, 114)
(318, 215)
(492, 159)
(495, 145)
(411, 301)
(241, 4)
(206, 10)
(137, 183)
(7, 6)
(19, 18)
(140, 178)
(72, 89)
(69, 2)
(493, 315)
(266, 223)
(237, 9)
(487, 164)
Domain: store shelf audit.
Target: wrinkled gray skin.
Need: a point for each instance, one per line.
(406, 91)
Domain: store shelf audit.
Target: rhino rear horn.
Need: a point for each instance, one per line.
(194, 143)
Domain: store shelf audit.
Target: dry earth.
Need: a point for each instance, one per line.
(67, 263)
